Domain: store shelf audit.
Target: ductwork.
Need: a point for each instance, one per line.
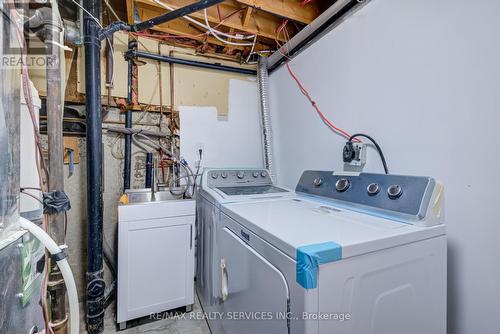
(265, 113)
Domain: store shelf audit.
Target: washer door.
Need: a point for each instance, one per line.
(254, 292)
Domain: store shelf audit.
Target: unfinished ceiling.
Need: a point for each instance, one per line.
(236, 28)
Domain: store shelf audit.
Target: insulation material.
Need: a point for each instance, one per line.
(232, 141)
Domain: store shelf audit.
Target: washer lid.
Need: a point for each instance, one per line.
(291, 223)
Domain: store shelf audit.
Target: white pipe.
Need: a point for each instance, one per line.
(65, 269)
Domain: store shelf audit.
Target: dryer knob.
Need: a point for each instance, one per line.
(318, 181)
(342, 185)
(240, 175)
(255, 174)
(373, 189)
(215, 175)
(395, 191)
(224, 175)
(263, 173)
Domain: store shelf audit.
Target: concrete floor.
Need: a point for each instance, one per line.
(167, 326)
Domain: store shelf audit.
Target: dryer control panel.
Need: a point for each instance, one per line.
(237, 177)
(396, 196)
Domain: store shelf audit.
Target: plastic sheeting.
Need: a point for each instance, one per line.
(9, 134)
(20, 297)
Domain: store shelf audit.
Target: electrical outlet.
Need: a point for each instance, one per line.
(354, 154)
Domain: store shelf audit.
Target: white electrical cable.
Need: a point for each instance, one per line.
(65, 269)
(251, 51)
(207, 27)
(212, 31)
(111, 9)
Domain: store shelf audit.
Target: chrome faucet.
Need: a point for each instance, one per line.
(154, 180)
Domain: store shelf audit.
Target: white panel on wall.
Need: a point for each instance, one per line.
(423, 78)
(232, 141)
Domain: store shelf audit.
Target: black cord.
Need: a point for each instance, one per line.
(379, 150)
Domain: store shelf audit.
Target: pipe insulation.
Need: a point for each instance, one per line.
(63, 266)
(265, 114)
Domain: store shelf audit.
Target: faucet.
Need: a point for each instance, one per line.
(154, 180)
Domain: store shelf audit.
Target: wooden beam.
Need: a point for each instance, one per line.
(130, 11)
(185, 28)
(262, 23)
(246, 16)
(290, 9)
(178, 27)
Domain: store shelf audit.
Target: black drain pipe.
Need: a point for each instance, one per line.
(95, 281)
(127, 165)
(172, 60)
(150, 23)
(92, 40)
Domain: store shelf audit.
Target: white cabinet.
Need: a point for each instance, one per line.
(155, 258)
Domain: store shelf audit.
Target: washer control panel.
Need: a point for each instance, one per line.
(398, 194)
(237, 177)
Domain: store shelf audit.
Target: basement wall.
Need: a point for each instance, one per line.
(422, 78)
(193, 87)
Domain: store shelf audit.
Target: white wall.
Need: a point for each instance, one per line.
(423, 78)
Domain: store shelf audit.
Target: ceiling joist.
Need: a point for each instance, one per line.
(271, 21)
(231, 13)
(288, 9)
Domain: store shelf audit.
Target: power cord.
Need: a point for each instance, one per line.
(377, 146)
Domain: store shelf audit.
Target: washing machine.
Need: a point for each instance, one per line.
(351, 253)
(218, 187)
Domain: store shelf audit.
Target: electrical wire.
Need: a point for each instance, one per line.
(111, 9)
(215, 34)
(207, 26)
(31, 195)
(377, 147)
(251, 51)
(304, 92)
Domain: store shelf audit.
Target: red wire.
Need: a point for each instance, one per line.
(305, 2)
(304, 91)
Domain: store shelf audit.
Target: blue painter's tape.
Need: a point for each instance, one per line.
(310, 257)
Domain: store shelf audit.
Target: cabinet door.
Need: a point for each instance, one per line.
(156, 266)
(255, 292)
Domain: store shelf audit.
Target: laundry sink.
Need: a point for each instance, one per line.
(145, 196)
